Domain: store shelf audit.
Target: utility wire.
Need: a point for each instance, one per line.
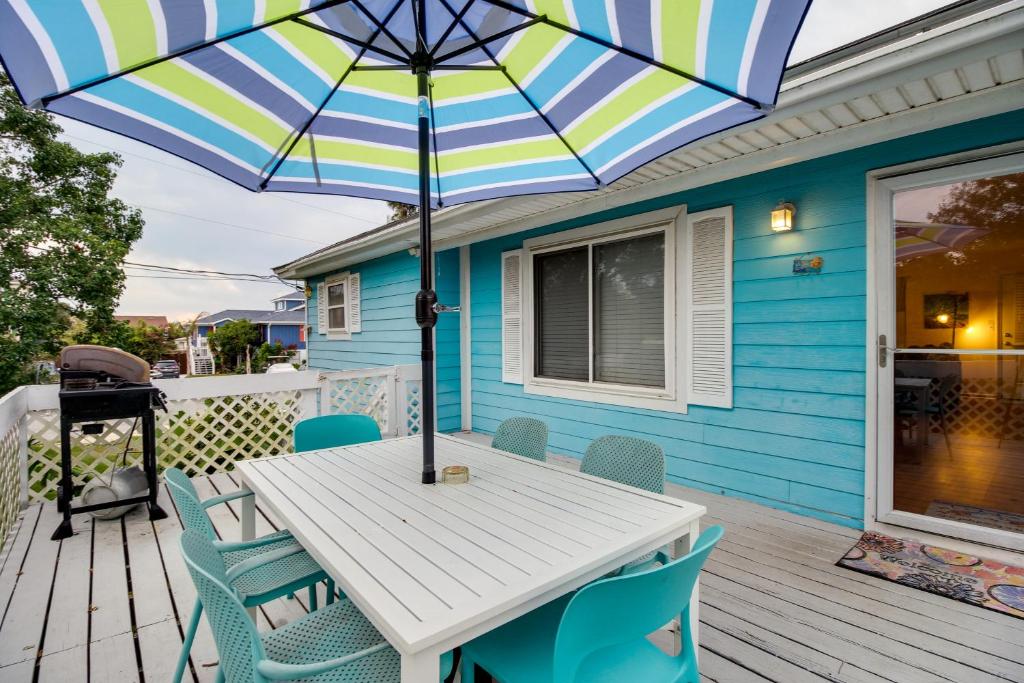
(230, 225)
(204, 175)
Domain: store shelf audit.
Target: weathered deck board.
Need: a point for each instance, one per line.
(775, 608)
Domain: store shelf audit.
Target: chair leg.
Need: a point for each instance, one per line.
(312, 598)
(220, 675)
(330, 591)
(468, 668)
(945, 433)
(186, 645)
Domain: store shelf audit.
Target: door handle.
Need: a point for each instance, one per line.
(883, 351)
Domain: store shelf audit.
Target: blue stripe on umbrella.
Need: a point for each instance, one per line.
(74, 38)
(24, 57)
(727, 36)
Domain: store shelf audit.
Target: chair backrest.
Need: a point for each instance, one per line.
(523, 436)
(186, 499)
(329, 431)
(629, 607)
(627, 460)
(238, 641)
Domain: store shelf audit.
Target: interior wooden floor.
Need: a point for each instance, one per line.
(108, 605)
(976, 471)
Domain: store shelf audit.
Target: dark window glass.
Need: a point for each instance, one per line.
(561, 316)
(629, 311)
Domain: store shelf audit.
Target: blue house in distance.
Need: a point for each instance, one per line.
(810, 311)
(285, 323)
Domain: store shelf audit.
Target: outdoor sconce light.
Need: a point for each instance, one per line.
(308, 292)
(782, 217)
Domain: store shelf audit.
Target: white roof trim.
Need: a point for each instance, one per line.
(837, 107)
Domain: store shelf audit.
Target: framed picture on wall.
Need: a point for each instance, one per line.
(946, 311)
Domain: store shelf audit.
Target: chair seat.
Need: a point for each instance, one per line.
(335, 631)
(522, 651)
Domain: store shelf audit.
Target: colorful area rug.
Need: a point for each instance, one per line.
(985, 583)
(993, 519)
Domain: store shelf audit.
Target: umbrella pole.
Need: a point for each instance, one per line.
(426, 298)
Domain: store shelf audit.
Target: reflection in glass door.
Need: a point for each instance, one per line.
(957, 392)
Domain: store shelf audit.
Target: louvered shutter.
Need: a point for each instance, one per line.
(355, 315)
(709, 327)
(321, 308)
(511, 317)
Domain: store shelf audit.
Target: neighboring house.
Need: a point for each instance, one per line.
(285, 324)
(158, 321)
(667, 307)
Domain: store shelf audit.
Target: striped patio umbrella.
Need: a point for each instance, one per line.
(914, 239)
(428, 102)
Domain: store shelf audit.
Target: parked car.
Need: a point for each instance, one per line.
(167, 368)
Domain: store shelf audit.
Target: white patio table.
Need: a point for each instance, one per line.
(433, 567)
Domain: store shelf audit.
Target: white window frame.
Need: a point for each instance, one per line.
(672, 222)
(337, 333)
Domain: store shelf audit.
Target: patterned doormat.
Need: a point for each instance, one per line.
(976, 581)
(994, 519)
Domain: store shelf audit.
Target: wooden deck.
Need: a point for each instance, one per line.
(108, 605)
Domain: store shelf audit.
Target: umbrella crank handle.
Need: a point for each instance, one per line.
(441, 308)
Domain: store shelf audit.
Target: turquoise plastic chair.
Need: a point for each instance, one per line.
(284, 566)
(631, 461)
(336, 644)
(599, 633)
(331, 431)
(523, 436)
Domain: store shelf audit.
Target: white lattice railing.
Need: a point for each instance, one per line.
(211, 423)
(13, 452)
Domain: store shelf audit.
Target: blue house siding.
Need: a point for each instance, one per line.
(389, 333)
(795, 437)
(287, 335)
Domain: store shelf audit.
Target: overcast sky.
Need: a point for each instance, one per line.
(191, 215)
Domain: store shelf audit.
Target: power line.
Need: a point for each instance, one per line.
(199, 279)
(203, 175)
(200, 274)
(230, 225)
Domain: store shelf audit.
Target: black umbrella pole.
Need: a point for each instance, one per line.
(426, 298)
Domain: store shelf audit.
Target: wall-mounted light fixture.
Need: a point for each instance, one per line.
(308, 292)
(782, 217)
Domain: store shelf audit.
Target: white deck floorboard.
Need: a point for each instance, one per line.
(774, 606)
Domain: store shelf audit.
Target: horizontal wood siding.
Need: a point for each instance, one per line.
(389, 333)
(795, 438)
(287, 335)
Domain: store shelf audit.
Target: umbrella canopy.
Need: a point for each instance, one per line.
(432, 102)
(914, 239)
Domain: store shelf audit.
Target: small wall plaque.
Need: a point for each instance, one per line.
(808, 266)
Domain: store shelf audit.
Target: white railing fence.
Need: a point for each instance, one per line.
(211, 423)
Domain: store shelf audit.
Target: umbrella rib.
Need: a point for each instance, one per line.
(489, 39)
(189, 50)
(309, 122)
(433, 133)
(382, 26)
(501, 4)
(526, 97)
(355, 41)
(451, 27)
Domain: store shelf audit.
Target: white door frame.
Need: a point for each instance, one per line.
(881, 185)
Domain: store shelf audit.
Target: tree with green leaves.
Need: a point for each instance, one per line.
(230, 341)
(400, 211)
(64, 239)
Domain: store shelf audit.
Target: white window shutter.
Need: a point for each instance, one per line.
(355, 315)
(511, 317)
(321, 308)
(709, 292)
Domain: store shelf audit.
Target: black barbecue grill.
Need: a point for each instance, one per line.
(98, 383)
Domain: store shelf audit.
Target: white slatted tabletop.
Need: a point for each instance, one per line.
(435, 566)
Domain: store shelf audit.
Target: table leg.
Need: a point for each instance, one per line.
(923, 425)
(683, 546)
(249, 529)
(422, 667)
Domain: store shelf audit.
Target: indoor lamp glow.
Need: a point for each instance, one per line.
(782, 217)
